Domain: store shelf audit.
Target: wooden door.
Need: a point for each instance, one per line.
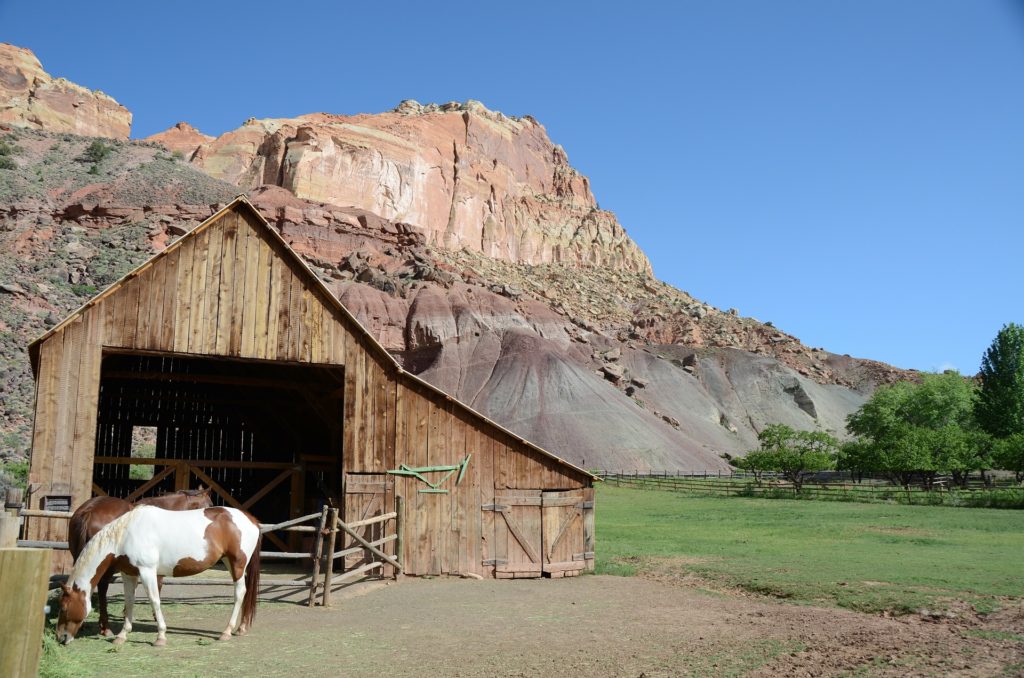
(567, 528)
(365, 497)
(517, 533)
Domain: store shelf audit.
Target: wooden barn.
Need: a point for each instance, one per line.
(224, 361)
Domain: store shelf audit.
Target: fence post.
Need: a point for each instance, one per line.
(329, 568)
(8, 531)
(24, 574)
(399, 532)
(317, 554)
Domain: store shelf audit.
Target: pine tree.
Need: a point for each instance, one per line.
(1000, 405)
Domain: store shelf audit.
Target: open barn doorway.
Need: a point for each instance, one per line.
(265, 436)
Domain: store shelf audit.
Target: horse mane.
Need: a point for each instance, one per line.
(105, 541)
(78, 535)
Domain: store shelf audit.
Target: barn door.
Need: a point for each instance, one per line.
(568, 519)
(365, 497)
(517, 533)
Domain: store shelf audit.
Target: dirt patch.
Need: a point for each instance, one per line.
(595, 625)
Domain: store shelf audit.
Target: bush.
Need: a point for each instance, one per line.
(7, 148)
(97, 152)
(6, 163)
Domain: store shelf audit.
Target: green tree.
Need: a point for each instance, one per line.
(794, 454)
(1000, 407)
(906, 430)
(1008, 454)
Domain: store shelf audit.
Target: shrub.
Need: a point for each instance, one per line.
(97, 152)
(6, 163)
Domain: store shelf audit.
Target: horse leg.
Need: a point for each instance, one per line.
(149, 582)
(159, 588)
(129, 607)
(101, 592)
(239, 596)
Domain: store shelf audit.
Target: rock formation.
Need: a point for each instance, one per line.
(470, 178)
(462, 239)
(30, 97)
(183, 138)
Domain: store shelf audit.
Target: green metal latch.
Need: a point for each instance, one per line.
(433, 488)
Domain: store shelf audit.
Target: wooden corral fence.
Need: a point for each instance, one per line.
(325, 526)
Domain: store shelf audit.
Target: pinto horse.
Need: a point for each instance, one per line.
(91, 516)
(148, 542)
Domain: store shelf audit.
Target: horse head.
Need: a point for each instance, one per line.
(198, 498)
(74, 608)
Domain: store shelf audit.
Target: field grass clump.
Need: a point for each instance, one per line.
(865, 557)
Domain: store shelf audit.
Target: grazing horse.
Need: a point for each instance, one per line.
(98, 511)
(149, 541)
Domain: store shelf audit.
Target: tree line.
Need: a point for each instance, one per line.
(945, 425)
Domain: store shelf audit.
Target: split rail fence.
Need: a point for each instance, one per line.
(325, 526)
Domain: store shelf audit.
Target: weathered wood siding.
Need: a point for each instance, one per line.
(232, 288)
(451, 533)
(229, 289)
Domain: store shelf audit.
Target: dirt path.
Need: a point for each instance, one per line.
(594, 626)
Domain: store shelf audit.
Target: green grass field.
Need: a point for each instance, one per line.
(867, 557)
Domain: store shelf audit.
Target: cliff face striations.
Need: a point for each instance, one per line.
(30, 97)
(471, 178)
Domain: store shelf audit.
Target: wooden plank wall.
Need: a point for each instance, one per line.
(227, 290)
(449, 533)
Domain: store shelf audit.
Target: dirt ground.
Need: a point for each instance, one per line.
(592, 626)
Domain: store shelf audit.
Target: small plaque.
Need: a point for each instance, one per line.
(57, 502)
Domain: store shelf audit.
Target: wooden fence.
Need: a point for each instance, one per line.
(325, 525)
(872, 490)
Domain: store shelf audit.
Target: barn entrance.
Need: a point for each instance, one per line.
(265, 436)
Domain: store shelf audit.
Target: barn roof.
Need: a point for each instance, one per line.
(242, 203)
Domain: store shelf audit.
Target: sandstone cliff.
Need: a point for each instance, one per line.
(30, 97)
(471, 178)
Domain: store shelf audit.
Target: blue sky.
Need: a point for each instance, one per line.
(851, 171)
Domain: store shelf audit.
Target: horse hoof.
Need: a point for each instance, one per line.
(225, 636)
(241, 631)
(106, 633)
(119, 640)
(159, 642)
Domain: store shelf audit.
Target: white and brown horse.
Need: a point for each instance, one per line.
(148, 542)
(92, 515)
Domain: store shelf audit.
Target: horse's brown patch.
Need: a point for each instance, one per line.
(223, 538)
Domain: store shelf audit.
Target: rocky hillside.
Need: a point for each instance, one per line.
(601, 363)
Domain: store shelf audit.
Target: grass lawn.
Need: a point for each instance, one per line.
(867, 557)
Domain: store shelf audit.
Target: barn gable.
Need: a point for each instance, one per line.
(230, 348)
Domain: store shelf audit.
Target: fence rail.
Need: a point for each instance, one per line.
(772, 486)
(325, 524)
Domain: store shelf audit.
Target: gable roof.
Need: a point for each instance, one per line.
(242, 203)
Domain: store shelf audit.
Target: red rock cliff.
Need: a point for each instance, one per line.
(30, 97)
(471, 178)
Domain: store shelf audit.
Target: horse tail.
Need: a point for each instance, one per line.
(252, 585)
